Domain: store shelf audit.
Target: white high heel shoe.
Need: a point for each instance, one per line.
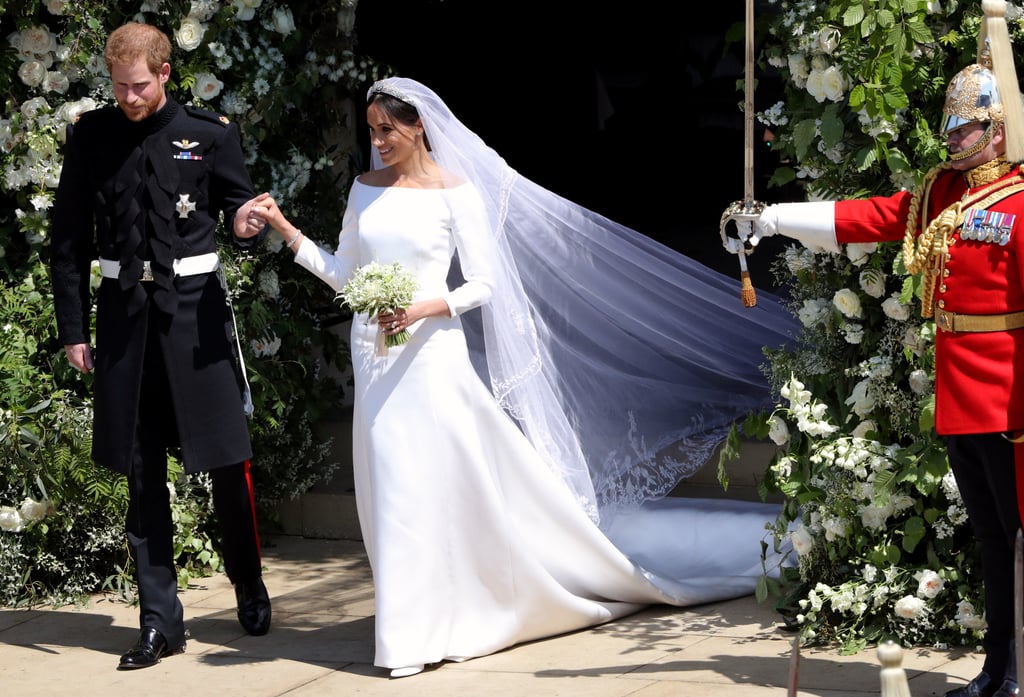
(406, 671)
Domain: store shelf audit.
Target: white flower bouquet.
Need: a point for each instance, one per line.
(375, 288)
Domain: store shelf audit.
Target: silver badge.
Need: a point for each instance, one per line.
(184, 205)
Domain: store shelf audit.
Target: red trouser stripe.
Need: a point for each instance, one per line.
(252, 507)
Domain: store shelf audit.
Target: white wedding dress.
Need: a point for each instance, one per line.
(474, 542)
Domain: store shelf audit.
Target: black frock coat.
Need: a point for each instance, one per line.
(153, 190)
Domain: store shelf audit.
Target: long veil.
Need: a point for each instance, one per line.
(624, 362)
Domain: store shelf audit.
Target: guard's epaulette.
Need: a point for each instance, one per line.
(207, 115)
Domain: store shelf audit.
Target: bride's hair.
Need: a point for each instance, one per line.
(398, 110)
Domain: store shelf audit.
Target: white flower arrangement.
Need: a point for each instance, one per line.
(375, 288)
(883, 550)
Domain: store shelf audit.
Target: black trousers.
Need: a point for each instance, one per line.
(983, 466)
(149, 526)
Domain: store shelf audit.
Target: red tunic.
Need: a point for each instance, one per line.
(975, 372)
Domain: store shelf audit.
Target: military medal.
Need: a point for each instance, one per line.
(184, 206)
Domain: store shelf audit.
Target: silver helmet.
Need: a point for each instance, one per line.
(972, 97)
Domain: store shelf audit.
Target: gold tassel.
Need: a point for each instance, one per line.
(747, 293)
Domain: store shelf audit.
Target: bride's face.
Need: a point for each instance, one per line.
(394, 141)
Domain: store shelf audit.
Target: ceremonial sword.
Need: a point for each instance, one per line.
(748, 208)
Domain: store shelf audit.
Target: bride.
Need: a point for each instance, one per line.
(563, 373)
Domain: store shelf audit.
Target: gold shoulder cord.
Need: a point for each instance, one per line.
(922, 255)
(926, 254)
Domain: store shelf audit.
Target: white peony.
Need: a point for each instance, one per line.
(32, 73)
(908, 607)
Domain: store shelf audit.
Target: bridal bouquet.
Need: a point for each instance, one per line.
(375, 288)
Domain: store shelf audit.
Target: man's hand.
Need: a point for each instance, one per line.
(248, 220)
(80, 356)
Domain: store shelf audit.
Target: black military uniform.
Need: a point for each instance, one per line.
(146, 199)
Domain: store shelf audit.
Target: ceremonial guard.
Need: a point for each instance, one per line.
(963, 231)
(143, 189)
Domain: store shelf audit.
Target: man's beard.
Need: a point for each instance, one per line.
(140, 112)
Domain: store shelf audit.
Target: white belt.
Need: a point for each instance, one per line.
(189, 266)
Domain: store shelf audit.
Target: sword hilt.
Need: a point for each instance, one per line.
(741, 210)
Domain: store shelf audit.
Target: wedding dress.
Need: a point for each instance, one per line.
(512, 462)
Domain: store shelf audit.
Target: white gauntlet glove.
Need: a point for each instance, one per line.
(812, 224)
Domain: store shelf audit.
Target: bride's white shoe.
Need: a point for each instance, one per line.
(406, 671)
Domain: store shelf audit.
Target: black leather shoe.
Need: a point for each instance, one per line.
(150, 648)
(253, 606)
(981, 686)
(1007, 689)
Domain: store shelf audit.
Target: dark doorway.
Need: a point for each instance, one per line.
(630, 112)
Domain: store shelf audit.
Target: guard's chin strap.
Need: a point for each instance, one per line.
(985, 139)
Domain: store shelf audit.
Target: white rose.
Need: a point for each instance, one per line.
(10, 519)
(190, 34)
(929, 584)
(245, 9)
(919, 381)
(32, 510)
(56, 7)
(68, 112)
(828, 40)
(284, 23)
(32, 73)
(833, 83)
(847, 302)
(778, 431)
(908, 607)
(816, 85)
(858, 252)
(207, 86)
(864, 428)
(912, 340)
(802, 540)
(798, 66)
(894, 309)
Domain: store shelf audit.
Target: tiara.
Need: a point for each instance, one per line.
(383, 87)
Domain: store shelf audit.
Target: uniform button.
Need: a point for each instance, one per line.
(945, 273)
(942, 303)
(942, 288)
